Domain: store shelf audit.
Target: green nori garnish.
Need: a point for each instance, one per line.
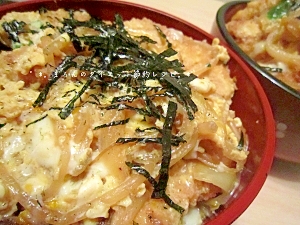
(160, 186)
(57, 73)
(112, 44)
(142, 171)
(174, 141)
(241, 143)
(33, 122)
(113, 123)
(67, 110)
(14, 28)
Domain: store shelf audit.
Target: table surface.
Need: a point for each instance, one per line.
(278, 202)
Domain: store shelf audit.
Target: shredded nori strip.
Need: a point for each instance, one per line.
(2, 125)
(95, 97)
(166, 151)
(241, 143)
(124, 98)
(122, 106)
(13, 28)
(174, 142)
(159, 191)
(160, 188)
(150, 107)
(113, 43)
(33, 122)
(67, 110)
(47, 25)
(163, 36)
(57, 73)
(184, 96)
(140, 140)
(175, 138)
(142, 171)
(113, 123)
